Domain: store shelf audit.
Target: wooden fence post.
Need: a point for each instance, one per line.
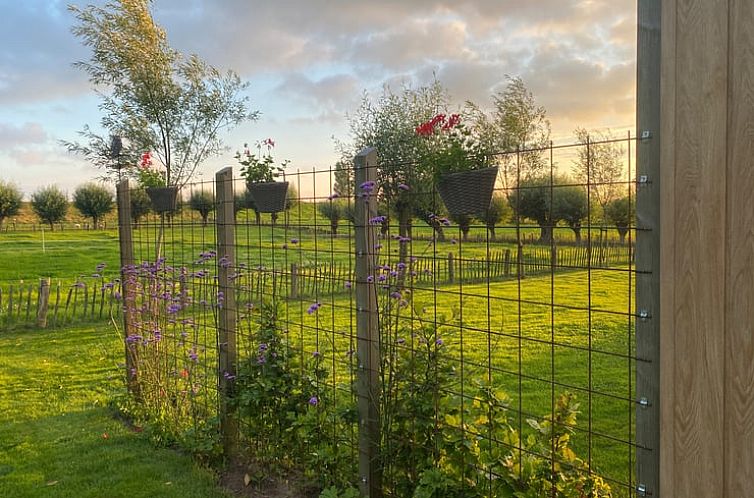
(125, 238)
(294, 281)
(368, 350)
(520, 265)
(226, 238)
(507, 263)
(44, 298)
(451, 269)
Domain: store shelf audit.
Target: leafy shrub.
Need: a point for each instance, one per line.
(10, 200)
(93, 201)
(50, 205)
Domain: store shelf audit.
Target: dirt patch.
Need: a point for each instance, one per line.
(237, 474)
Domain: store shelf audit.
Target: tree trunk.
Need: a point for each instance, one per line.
(334, 227)
(622, 232)
(258, 217)
(577, 233)
(491, 229)
(545, 234)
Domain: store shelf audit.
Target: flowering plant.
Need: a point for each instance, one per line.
(449, 146)
(260, 167)
(147, 173)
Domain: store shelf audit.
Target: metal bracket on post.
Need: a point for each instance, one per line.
(368, 339)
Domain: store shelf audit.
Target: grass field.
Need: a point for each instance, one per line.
(58, 438)
(539, 336)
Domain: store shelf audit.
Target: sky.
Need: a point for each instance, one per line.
(309, 63)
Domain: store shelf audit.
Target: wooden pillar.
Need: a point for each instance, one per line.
(368, 338)
(125, 238)
(226, 257)
(44, 299)
(707, 262)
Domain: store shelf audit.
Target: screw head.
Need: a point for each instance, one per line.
(644, 402)
(641, 490)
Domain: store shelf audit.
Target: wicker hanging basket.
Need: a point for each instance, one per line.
(268, 197)
(468, 192)
(164, 199)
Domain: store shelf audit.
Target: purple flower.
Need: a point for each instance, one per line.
(439, 342)
(453, 241)
(224, 262)
(401, 340)
(193, 356)
(395, 295)
(333, 196)
(367, 186)
(370, 279)
(444, 221)
(263, 347)
(377, 220)
(381, 278)
(377, 247)
(117, 296)
(100, 267)
(393, 273)
(174, 308)
(313, 308)
(313, 401)
(294, 241)
(401, 266)
(261, 360)
(403, 186)
(347, 284)
(315, 354)
(228, 376)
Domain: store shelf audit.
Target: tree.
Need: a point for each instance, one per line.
(600, 164)
(140, 205)
(464, 224)
(93, 201)
(153, 96)
(10, 200)
(50, 204)
(333, 211)
(519, 123)
(621, 213)
(547, 202)
(203, 203)
(498, 212)
(570, 205)
(389, 124)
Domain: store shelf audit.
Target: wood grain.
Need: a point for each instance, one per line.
(739, 381)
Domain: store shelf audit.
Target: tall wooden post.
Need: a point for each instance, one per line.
(368, 336)
(225, 225)
(125, 238)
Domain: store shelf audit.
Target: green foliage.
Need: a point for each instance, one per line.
(600, 162)
(519, 124)
(621, 213)
(334, 211)
(141, 205)
(10, 200)
(153, 96)
(93, 201)
(259, 167)
(49, 204)
(449, 145)
(498, 212)
(549, 201)
(202, 202)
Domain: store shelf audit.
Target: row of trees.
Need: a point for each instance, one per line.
(548, 204)
(50, 204)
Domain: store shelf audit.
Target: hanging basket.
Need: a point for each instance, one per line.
(164, 199)
(268, 197)
(468, 192)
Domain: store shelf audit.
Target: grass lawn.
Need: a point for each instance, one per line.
(58, 438)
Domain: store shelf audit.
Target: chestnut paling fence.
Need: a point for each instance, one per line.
(394, 356)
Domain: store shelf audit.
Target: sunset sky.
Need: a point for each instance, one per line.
(309, 61)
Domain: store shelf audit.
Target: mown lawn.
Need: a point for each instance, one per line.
(58, 438)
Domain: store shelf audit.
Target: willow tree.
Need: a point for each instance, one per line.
(389, 123)
(156, 98)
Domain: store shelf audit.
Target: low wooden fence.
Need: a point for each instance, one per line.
(50, 305)
(300, 281)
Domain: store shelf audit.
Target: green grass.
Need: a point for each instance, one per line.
(58, 438)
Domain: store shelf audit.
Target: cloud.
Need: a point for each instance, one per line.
(331, 93)
(15, 136)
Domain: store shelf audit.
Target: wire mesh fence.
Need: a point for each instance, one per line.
(365, 337)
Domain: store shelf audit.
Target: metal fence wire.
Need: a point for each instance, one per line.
(364, 337)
